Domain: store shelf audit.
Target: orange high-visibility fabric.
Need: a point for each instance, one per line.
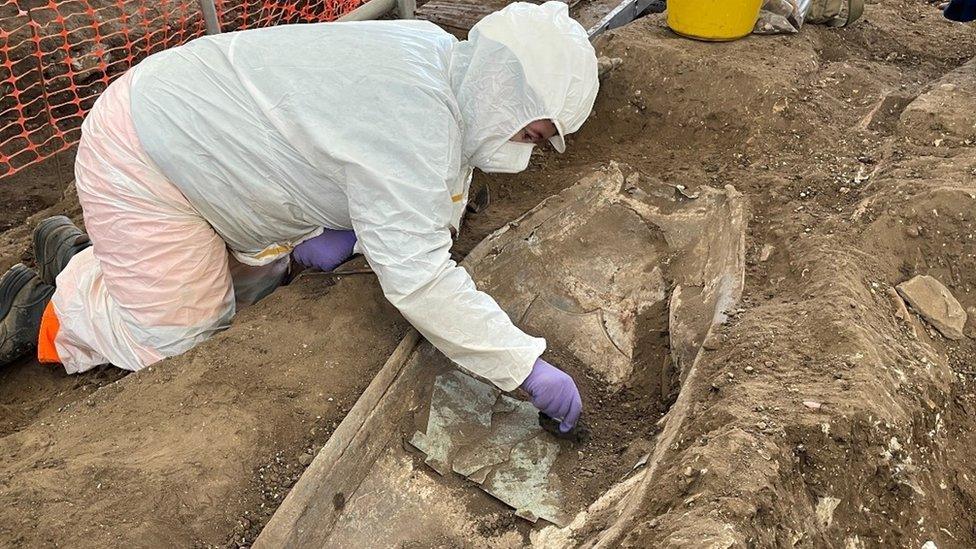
(47, 353)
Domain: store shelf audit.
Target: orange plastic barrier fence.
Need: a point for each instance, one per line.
(57, 56)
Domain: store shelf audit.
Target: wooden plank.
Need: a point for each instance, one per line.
(365, 431)
(458, 16)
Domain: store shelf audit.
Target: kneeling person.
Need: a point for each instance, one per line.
(202, 169)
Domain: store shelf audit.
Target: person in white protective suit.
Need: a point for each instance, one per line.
(202, 169)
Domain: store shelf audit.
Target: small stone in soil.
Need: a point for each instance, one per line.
(712, 343)
(305, 459)
(969, 330)
(812, 405)
(935, 304)
(749, 369)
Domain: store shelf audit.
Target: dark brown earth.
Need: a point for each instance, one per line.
(816, 398)
(855, 149)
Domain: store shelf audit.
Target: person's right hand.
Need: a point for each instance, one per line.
(554, 393)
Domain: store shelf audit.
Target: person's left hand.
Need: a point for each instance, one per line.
(326, 251)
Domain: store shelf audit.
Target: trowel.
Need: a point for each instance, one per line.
(579, 434)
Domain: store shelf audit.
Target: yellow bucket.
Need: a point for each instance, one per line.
(713, 19)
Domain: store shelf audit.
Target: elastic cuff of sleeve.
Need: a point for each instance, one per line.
(521, 371)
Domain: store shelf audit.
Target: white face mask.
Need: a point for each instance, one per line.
(512, 157)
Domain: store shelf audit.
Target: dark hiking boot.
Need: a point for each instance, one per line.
(56, 241)
(23, 297)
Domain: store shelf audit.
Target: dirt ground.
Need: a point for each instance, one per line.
(855, 149)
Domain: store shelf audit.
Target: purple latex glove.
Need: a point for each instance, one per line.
(326, 251)
(554, 393)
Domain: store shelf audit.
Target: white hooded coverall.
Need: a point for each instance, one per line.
(202, 168)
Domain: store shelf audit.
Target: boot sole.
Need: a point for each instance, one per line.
(20, 321)
(10, 285)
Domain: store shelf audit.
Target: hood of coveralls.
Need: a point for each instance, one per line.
(524, 63)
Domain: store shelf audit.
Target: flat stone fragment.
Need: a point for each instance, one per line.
(495, 441)
(526, 482)
(460, 412)
(935, 304)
